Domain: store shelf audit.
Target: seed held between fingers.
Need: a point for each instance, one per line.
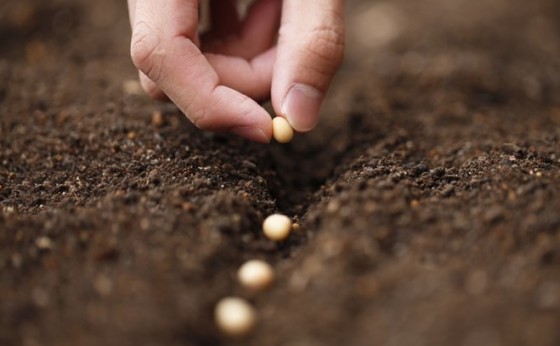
(281, 130)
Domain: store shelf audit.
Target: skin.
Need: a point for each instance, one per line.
(285, 50)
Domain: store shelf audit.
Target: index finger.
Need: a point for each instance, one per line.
(163, 48)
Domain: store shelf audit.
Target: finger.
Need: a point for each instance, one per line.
(151, 88)
(260, 28)
(257, 33)
(162, 47)
(252, 78)
(131, 10)
(310, 50)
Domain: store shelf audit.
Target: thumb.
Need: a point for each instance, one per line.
(310, 50)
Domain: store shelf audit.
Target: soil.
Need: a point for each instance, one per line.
(428, 198)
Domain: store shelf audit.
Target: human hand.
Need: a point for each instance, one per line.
(214, 78)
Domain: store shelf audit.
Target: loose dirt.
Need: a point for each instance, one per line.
(427, 200)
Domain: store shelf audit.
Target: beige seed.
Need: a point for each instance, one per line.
(235, 317)
(277, 227)
(281, 130)
(256, 275)
(133, 87)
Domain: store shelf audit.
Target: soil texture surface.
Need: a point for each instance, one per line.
(427, 200)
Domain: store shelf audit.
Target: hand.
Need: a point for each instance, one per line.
(215, 78)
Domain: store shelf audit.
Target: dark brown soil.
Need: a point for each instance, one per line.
(428, 198)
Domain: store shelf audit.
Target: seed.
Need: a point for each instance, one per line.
(281, 130)
(133, 87)
(277, 227)
(256, 275)
(235, 317)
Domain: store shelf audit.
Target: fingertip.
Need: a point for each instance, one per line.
(301, 107)
(256, 126)
(227, 110)
(252, 133)
(151, 88)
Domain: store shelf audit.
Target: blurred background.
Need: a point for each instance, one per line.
(510, 45)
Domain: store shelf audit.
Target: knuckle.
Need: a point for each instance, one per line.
(326, 44)
(144, 47)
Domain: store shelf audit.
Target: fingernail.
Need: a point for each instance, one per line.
(252, 133)
(301, 107)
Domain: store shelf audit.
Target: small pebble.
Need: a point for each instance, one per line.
(157, 119)
(235, 317)
(281, 130)
(131, 135)
(44, 243)
(277, 227)
(256, 275)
